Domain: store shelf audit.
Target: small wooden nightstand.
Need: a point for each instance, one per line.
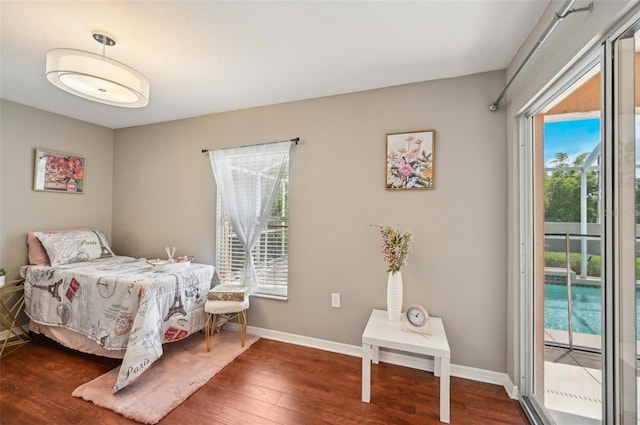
(11, 305)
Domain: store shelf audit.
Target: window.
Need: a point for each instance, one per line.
(271, 252)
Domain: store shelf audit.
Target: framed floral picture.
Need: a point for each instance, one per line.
(410, 160)
(58, 172)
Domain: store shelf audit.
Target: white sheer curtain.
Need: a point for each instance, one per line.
(247, 179)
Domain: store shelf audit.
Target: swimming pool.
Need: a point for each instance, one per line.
(587, 309)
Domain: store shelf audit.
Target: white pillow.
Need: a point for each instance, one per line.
(73, 247)
(37, 253)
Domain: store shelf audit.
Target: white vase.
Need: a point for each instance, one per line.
(1, 281)
(394, 296)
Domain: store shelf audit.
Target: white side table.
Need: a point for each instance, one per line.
(381, 332)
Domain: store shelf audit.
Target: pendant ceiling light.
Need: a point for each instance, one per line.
(97, 77)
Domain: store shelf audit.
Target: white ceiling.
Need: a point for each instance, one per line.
(204, 57)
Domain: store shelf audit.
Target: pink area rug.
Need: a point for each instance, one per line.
(184, 367)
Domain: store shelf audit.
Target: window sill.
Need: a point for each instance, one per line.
(270, 296)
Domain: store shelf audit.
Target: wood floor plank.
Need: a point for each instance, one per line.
(272, 383)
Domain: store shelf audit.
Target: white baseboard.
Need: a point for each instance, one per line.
(400, 359)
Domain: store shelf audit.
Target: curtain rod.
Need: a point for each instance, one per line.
(562, 13)
(294, 140)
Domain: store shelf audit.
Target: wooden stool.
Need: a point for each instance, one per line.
(214, 308)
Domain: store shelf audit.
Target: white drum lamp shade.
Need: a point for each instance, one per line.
(97, 78)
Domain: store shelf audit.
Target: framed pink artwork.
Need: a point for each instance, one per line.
(410, 160)
(58, 172)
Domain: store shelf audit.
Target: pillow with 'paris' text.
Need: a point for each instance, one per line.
(75, 246)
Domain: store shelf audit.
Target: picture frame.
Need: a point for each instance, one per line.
(58, 172)
(410, 160)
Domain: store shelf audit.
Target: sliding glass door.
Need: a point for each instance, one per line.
(625, 212)
(581, 227)
(567, 284)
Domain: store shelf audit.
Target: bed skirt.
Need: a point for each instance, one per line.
(74, 340)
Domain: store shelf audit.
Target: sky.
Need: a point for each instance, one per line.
(571, 137)
(575, 137)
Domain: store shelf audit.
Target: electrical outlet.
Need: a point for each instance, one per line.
(335, 300)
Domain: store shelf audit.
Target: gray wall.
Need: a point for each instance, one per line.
(164, 194)
(22, 130)
(574, 36)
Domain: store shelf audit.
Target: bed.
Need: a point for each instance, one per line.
(87, 298)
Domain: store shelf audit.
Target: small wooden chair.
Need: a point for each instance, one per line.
(215, 307)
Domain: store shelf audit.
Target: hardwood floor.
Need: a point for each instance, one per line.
(271, 383)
